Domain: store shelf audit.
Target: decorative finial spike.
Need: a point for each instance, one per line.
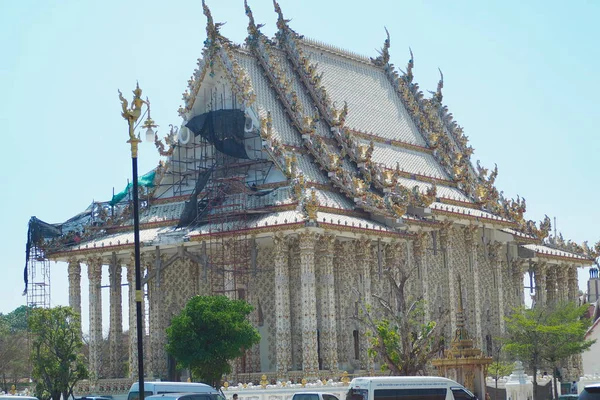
(409, 68)
(384, 53)
(438, 94)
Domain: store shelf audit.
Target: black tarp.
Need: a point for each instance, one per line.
(224, 129)
(37, 231)
(190, 211)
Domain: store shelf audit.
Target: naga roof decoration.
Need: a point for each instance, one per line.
(217, 48)
(344, 165)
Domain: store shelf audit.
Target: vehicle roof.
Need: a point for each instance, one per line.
(593, 385)
(166, 383)
(314, 392)
(174, 395)
(15, 396)
(403, 378)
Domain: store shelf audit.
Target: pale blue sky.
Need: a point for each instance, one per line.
(521, 78)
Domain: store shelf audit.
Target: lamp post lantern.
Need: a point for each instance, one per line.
(131, 115)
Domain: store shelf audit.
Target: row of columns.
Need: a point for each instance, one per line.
(94, 270)
(555, 283)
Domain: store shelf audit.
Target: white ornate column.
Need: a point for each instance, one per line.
(470, 233)
(517, 273)
(228, 272)
(540, 283)
(496, 263)
(310, 361)
(158, 340)
(95, 314)
(363, 260)
(283, 341)
(116, 320)
(573, 284)
(328, 310)
(551, 290)
(562, 283)
(420, 258)
(447, 265)
(74, 271)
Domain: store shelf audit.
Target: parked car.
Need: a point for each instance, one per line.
(187, 396)
(590, 392)
(158, 388)
(314, 396)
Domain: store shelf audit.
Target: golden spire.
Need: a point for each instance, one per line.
(438, 93)
(253, 29)
(384, 53)
(409, 67)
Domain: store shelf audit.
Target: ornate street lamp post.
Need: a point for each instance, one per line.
(131, 115)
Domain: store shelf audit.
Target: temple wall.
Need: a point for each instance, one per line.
(340, 269)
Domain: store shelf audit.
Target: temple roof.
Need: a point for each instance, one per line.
(331, 137)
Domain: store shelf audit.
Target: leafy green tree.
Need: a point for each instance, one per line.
(208, 333)
(497, 370)
(55, 352)
(548, 334)
(567, 326)
(399, 334)
(14, 358)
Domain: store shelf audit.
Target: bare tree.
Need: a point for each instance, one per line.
(399, 333)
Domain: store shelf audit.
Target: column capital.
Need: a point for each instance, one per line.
(494, 251)
(445, 228)
(470, 231)
(307, 240)
(94, 269)
(540, 267)
(326, 242)
(363, 246)
(419, 243)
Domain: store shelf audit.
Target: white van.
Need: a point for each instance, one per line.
(407, 388)
(151, 388)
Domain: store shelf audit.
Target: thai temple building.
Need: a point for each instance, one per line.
(300, 174)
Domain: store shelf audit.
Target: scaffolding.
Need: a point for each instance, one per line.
(38, 277)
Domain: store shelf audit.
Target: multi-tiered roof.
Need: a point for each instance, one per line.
(351, 142)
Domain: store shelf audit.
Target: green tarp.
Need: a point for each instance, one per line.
(144, 181)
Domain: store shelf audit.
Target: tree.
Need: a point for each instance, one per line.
(208, 333)
(567, 326)
(497, 370)
(399, 333)
(14, 359)
(547, 334)
(55, 352)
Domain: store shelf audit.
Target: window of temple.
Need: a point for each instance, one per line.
(356, 347)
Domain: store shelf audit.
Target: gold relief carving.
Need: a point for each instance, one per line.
(494, 251)
(363, 246)
(327, 243)
(419, 243)
(470, 231)
(446, 227)
(306, 240)
(312, 206)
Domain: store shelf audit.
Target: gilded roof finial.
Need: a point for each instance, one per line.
(282, 23)
(384, 53)
(438, 93)
(212, 29)
(253, 29)
(409, 67)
